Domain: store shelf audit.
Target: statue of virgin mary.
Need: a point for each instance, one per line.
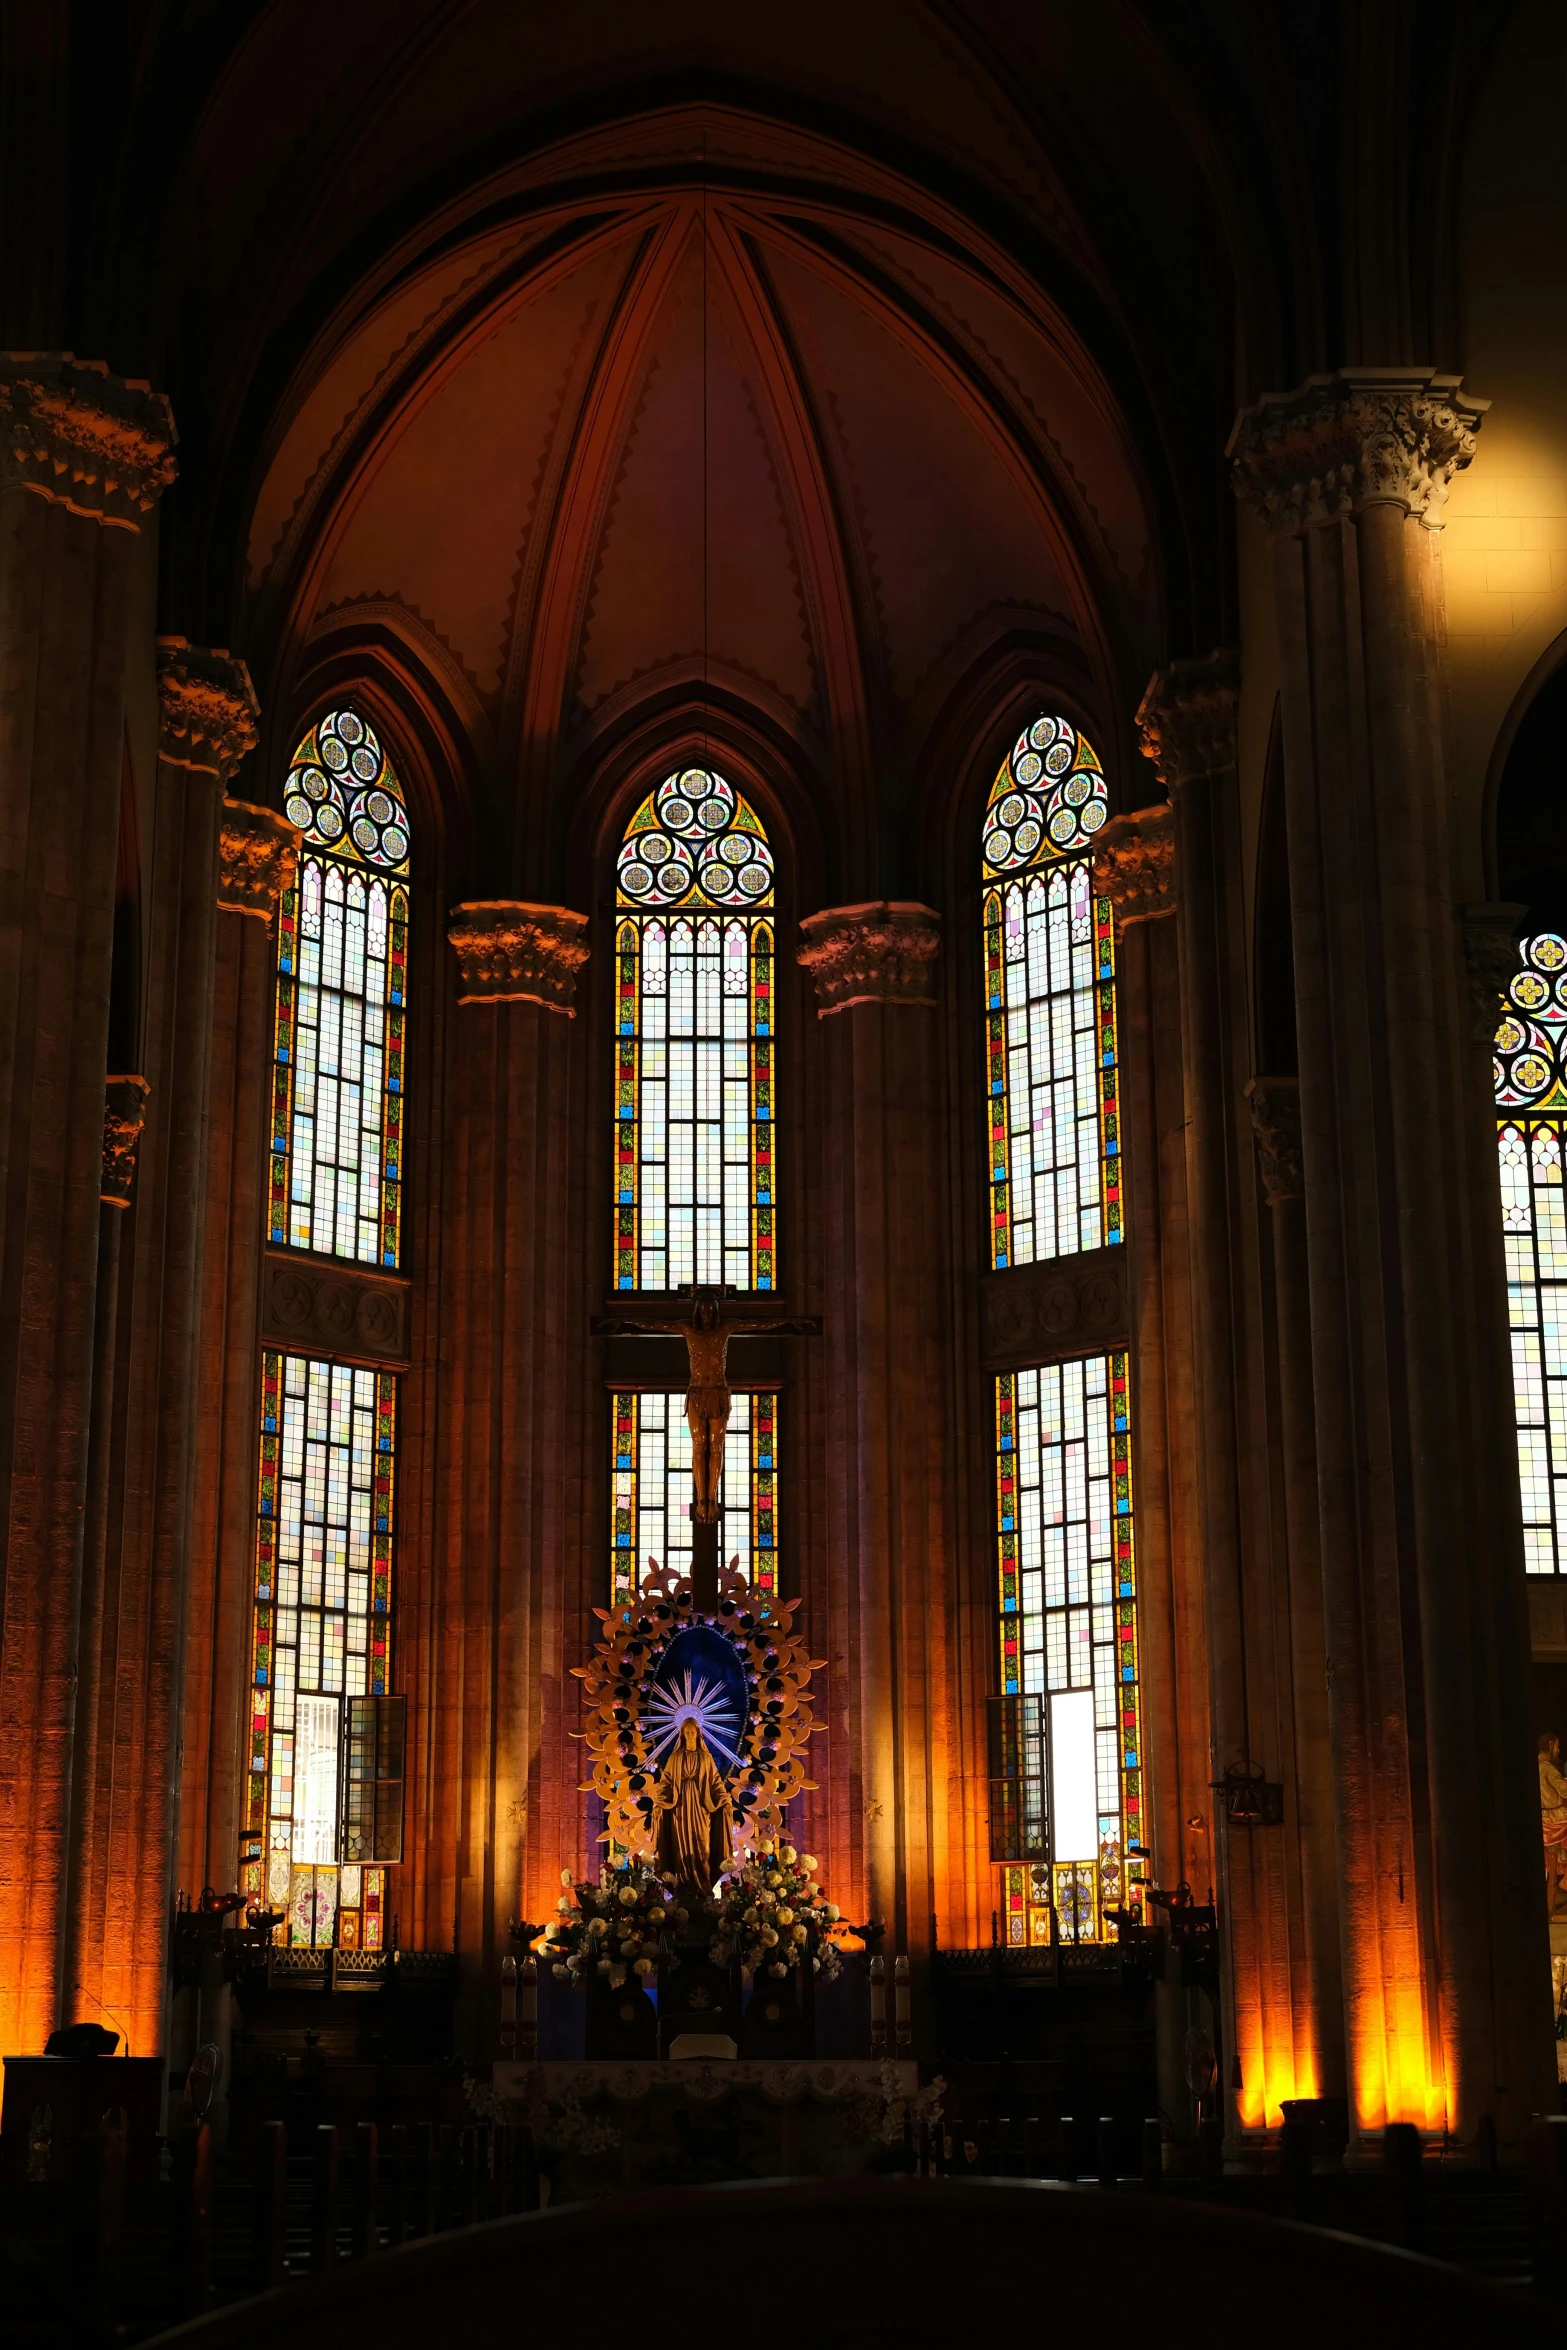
(695, 1841)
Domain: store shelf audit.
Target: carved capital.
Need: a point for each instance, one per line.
(879, 953)
(1367, 436)
(1186, 719)
(72, 432)
(509, 953)
(207, 708)
(1134, 864)
(1491, 935)
(124, 1113)
(1274, 1103)
(258, 857)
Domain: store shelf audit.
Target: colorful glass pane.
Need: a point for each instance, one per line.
(1052, 1074)
(339, 1038)
(1531, 1093)
(695, 1149)
(1068, 1627)
(650, 1471)
(323, 1594)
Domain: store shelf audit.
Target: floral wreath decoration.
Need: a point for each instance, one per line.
(741, 1673)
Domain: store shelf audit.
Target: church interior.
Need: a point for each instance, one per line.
(783, 1077)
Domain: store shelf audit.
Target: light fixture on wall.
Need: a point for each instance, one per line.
(1251, 1800)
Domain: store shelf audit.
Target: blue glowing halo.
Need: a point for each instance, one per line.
(700, 1678)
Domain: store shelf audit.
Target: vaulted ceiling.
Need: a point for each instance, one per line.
(828, 369)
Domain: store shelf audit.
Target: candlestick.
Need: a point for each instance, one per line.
(900, 2005)
(878, 1982)
(530, 2006)
(508, 2005)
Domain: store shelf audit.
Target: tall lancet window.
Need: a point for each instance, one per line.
(1067, 1801)
(1055, 1149)
(337, 1087)
(695, 1146)
(1531, 1101)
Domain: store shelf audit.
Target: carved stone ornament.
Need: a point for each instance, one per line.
(1186, 719)
(88, 440)
(124, 1113)
(334, 1309)
(1367, 436)
(1274, 1103)
(1491, 935)
(207, 708)
(510, 953)
(1045, 1313)
(1134, 864)
(258, 858)
(880, 953)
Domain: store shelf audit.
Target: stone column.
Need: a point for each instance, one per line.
(1317, 1976)
(504, 1609)
(128, 1745)
(257, 855)
(1187, 721)
(1441, 1890)
(881, 1594)
(84, 458)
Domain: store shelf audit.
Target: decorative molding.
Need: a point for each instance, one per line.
(1491, 936)
(511, 953)
(1367, 436)
(312, 1307)
(1134, 864)
(258, 858)
(1186, 718)
(83, 438)
(1274, 1103)
(878, 953)
(1048, 1313)
(124, 1114)
(207, 708)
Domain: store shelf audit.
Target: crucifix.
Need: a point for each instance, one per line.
(697, 1315)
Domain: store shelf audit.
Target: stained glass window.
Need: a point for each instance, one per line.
(1055, 1151)
(1068, 1610)
(337, 1088)
(1531, 1099)
(322, 1634)
(651, 1471)
(695, 1149)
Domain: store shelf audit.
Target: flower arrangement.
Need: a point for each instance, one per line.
(614, 1929)
(771, 1915)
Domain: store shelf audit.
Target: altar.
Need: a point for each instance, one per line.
(601, 2128)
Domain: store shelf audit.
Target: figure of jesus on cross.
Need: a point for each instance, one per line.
(699, 1318)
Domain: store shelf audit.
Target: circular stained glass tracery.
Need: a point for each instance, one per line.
(1050, 794)
(695, 841)
(1531, 1042)
(344, 796)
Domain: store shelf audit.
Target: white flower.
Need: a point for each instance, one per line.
(628, 1897)
(776, 1969)
(787, 1853)
(775, 1880)
(562, 1974)
(565, 1876)
(597, 1927)
(644, 1966)
(831, 1912)
(603, 1966)
(767, 1938)
(810, 1864)
(799, 1935)
(784, 1916)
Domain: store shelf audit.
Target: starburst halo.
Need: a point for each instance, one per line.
(692, 1697)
